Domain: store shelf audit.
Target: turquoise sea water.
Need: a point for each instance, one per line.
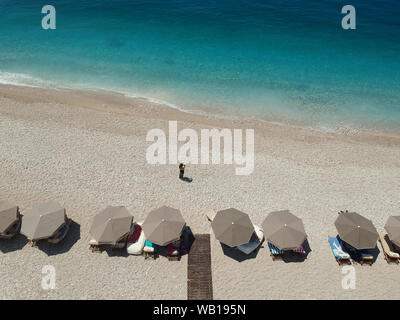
(287, 61)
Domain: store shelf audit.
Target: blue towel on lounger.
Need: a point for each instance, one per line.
(337, 248)
(147, 243)
(273, 249)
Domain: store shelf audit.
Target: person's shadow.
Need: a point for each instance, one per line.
(186, 179)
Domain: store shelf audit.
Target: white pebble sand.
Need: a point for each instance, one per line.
(86, 150)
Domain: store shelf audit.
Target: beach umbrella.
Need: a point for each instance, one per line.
(163, 225)
(42, 221)
(111, 224)
(392, 227)
(8, 215)
(284, 230)
(232, 227)
(357, 231)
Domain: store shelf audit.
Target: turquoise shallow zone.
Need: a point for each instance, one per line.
(286, 61)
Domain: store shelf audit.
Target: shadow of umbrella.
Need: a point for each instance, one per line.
(121, 253)
(375, 253)
(354, 255)
(187, 238)
(290, 256)
(238, 255)
(14, 244)
(74, 234)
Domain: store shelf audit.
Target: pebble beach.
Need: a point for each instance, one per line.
(87, 149)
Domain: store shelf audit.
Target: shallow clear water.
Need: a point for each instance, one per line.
(278, 60)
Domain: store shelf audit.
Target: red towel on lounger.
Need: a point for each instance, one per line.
(137, 230)
(171, 249)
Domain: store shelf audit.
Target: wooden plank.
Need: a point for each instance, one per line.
(199, 286)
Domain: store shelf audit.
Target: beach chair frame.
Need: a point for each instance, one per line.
(12, 232)
(388, 258)
(343, 261)
(366, 261)
(95, 248)
(121, 244)
(57, 238)
(275, 256)
(149, 254)
(173, 257)
(32, 243)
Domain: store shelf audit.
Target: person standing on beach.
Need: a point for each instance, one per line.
(181, 171)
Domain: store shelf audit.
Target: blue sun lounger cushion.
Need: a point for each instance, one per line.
(337, 248)
(150, 244)
(274, 250)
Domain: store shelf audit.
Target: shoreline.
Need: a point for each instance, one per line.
(220, 114)
(368, 135)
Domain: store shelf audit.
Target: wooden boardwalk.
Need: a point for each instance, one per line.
(199, 285)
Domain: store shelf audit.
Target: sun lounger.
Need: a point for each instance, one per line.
(12, 231)
(275, 253)
(365, 257)
(32, 243)
(388, 249)
(341, 255)
(173, 253)
(94, 246)
(60, 233)
(121, 243)
(149, 249)
(254, 243)
(396, 248)
(136, 240)
(300, 250)
(187, 239)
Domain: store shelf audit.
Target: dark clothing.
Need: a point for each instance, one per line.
(181, 170)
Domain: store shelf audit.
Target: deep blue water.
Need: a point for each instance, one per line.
(278, 60)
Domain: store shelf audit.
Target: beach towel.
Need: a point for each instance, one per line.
(274, 250)
(172, 250)
(337, 248)
(300, 250)
(137, 230)
(136, 240)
